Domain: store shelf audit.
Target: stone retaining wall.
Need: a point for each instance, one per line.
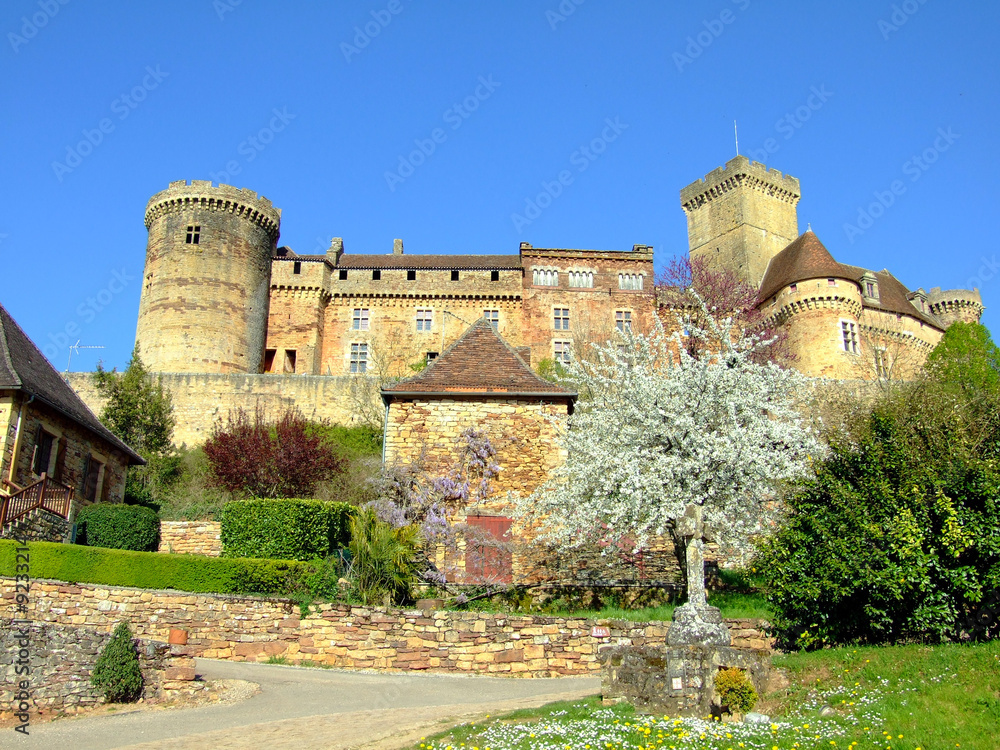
(61, 659)
(191, 537)
(253, 629)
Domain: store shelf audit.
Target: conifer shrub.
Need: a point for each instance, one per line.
(289, 529)
(131, 527)
(117, 674)
(735, 690)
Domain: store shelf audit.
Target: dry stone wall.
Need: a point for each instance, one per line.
(191, 537)
(254, 629)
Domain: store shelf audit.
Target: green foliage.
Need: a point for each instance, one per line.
(131, 527)
(154, 570)
(966, 359)
(384, 562)
(284, 529)
(898, 536)
(735, 690)
(352, 442)
(549, 369)
(138, 410)
(117, 672)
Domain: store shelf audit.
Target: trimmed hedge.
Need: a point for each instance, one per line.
(288, 529)
(131, 527)
(153, 570)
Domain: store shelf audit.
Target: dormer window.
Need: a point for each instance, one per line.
(869, 287)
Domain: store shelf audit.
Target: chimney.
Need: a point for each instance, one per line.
(335, 250)
(397, 247)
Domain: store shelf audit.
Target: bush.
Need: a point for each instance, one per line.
(154, 570)
(735, 690)
(284, 529)
(384, 561)
(250, 456)
(132, 527)
(117, 672)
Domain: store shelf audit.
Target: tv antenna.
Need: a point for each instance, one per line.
(76, 348)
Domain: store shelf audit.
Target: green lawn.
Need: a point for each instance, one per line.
(893, 698)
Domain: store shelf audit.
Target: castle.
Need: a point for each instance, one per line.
(231, 318)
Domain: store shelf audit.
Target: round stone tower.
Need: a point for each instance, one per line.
(205, 288)
(953, 305)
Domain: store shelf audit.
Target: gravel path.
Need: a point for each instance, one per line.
(307, 708)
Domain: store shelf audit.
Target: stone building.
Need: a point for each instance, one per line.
(229, 318)
(479, 382)
(46, 428)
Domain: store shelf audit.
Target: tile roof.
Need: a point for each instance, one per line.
(479, 363)
(23, 367)
(807, 258)
(431, 262)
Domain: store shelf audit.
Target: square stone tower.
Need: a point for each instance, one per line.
(740, 216)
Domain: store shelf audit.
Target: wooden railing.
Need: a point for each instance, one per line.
(45, 493)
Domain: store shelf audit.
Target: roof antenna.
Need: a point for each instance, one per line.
(737, 134)
(75, 348)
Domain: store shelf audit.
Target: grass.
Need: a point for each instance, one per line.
(891, 698)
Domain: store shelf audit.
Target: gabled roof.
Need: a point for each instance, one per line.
(479, 363)
(807, 258)
(23, 367)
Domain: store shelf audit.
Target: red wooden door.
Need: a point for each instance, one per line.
(487, 555)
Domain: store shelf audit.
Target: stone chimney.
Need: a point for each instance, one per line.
(335, 250)
(397, 247)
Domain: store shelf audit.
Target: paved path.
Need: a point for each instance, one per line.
(306, 709)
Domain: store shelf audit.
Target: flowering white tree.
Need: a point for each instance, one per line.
(659, 429)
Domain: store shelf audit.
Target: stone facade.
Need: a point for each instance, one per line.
(40, 525)
(255, 629)
(62, 659)
(191, 537)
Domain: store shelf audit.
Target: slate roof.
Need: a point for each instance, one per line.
(807, 258)
(479, 363)
(23, 367)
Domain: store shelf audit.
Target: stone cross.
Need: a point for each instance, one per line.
(691, 527)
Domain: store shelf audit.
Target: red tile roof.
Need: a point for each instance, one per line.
(479, 363)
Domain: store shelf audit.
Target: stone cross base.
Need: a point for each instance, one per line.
(675, 680)
(695, 625)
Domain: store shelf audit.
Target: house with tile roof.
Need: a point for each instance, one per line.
(481, 382)
(46, 431)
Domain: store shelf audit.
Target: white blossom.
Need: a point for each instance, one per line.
(657, 428)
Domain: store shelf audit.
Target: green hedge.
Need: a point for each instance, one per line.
(287, 529)
(132, 527)
(153, 570)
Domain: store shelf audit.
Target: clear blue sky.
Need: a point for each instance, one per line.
(182, 88)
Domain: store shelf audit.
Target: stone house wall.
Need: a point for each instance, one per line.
(255, 629)
(191, 537)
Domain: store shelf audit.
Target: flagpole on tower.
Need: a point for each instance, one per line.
(737, 134)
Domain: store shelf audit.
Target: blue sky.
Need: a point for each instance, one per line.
(319, 106)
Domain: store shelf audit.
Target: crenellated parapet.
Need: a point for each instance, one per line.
(838, 303)
(954, 305)
(183, 196)
(740, 172)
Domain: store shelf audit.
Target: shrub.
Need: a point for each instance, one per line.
(132, 527)
(250, 456)
(284, 529)
(735, 690)
(384, 561)
(117, 672)
(154, 570)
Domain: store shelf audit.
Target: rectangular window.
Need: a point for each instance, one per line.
(493, 316)
(376, 274)
(831, 282)
(269, 359)
(793, 287)
(45, 453)
(411, 275)
(193, 235)
(494, 276)
(849, 334)
(297, 267)
(359, 358)
(630, 281)
(424, 319)
(544, 277)
(560, 351)
(289, 361)
(869, 289)
(359, 321)
(881, 362)
(561, 318)
(431, 356)
(454, 275)
(623, 320)
(93, 479)
(581, 279)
